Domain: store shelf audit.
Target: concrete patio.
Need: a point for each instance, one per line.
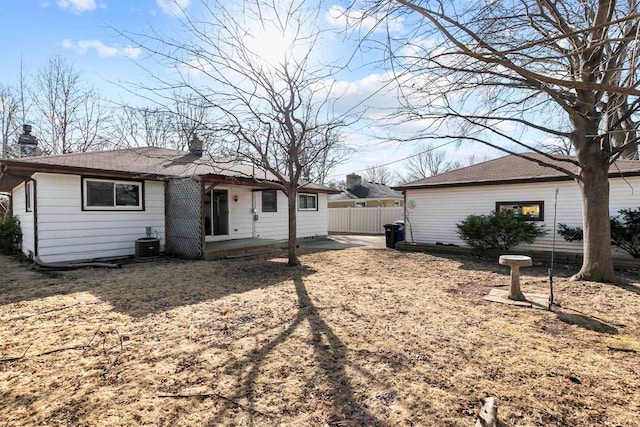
(243, 247)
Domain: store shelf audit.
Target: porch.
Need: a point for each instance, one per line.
(240, 247)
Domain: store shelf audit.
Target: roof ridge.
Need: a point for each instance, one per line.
(84, 153)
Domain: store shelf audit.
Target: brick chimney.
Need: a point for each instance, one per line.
(27, 143)
(353, 180)
(195, 146)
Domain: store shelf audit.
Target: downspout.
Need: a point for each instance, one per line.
(35, 217)
(203, 243)
(254, 213)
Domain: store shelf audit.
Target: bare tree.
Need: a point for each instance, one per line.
(378, 174)
(70, 115)
(9, 116)
(251, 64)
(189, 113)
(558, 147)
(425, 162)
(144, 127)
(319, 170)
(91, 127)
(476, 70)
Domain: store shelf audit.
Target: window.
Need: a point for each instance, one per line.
(269, 201)
(307, 202)
(28, 196)
(534, 211)
(104, 194)
(360, 204)
(396, 204)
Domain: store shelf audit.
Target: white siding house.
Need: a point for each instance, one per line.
(67, 232)
(436, 204)
(96, 205)
(25, 216)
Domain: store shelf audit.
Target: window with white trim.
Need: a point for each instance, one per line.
(307, 202)
(360, 204)
(106, 194)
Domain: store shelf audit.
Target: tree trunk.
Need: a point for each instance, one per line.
(594, 186)
(292, 246)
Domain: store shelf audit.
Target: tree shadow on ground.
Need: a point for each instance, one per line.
(586, 321)
(627, 285)
(141, 289)
(330, 355)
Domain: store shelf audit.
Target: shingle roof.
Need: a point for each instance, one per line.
(514, 169)
(367, 190)
(147, 162)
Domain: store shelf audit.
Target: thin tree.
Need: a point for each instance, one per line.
(562, 69)
(426, 162)
(251, 64)
(378, 174)
(70, 115)
(9, 116)
(93, 123)
(148, 126)
(188, 114)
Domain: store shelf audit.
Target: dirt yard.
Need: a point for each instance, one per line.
(352, 337)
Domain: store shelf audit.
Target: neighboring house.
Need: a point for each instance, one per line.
(95, 205)
(360, 194)
(436, 204)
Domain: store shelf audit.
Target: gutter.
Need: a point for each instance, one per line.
(506, 181)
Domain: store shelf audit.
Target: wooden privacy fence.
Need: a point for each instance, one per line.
(362, 220)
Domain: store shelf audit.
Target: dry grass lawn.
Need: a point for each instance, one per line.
(352, 337)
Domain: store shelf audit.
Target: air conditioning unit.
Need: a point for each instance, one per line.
(147, 247)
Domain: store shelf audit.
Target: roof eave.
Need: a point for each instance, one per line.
(18, 167)
(507, 181)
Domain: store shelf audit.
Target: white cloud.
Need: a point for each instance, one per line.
(84, 46)
(173, 7)
(77, 6)
(341, 17)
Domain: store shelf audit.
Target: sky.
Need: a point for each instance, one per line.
(87, 33)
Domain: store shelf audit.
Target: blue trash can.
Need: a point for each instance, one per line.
(400, 230)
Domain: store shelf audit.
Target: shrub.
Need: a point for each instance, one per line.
(498, 230)
(625, 231)
(570, 234)
(10, 235)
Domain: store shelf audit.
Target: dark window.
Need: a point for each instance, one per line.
(105, 194)
(308, 202)
(100, 194)
(269, 201)
(533, 211)
(28, 194)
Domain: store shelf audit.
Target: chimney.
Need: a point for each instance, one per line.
(195, 146)
(27, 143)
(353, 180)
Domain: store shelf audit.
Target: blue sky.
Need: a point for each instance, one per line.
(85, 32)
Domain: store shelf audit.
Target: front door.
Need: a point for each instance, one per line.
(216, 213)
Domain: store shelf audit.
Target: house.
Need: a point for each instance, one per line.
(359, 194)
(95, 205)
(436, 204)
